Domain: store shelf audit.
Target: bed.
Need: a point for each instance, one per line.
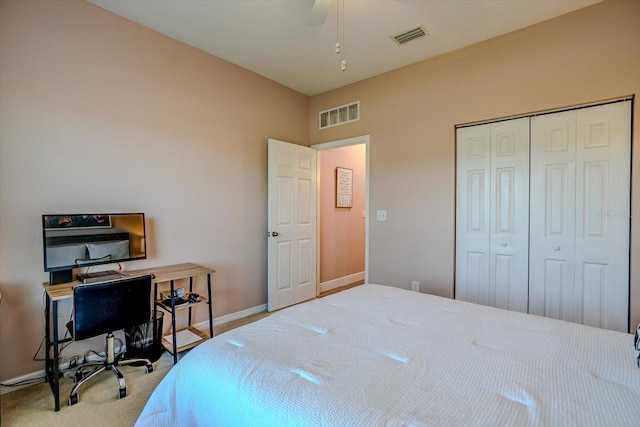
(381, 356)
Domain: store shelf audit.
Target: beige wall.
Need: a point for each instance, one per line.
(100, 114)
(341, 229)
(410, 114)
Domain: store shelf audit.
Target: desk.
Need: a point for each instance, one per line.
(56, 293)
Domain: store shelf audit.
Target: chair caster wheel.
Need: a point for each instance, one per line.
(123, 393)
(73, 399)
(149, 369)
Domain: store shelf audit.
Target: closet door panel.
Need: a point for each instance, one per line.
(558, 288)
(594, 309)
(472, 213)
(603, 215)
(475, 279)
(505, 279)
(509, 266)
(552, 223)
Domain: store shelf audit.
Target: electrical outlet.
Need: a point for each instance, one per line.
(415, 286)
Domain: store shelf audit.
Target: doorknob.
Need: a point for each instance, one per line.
(275, 234)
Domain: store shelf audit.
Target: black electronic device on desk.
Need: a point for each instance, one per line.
(180, 299)
(101, 276)
(177, 302)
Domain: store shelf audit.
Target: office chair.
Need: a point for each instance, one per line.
(103, 308)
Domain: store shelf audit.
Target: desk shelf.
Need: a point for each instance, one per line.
(188, 271)
(166, 306)
(167, 340)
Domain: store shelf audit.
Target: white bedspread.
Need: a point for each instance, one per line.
(381, 356)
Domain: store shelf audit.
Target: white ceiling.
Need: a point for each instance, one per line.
(293, 41)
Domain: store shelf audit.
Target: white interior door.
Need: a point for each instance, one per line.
(291, 260)
(603, 171)
(509, 244)
(580, 215)
(492, 217)
(473, 182)
(549, 233)
(553, 207)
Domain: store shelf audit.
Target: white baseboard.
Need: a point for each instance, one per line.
(29, 377)
(341, 281)
(217, 321)
(93, 358)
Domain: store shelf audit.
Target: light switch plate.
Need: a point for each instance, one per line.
(381, 215)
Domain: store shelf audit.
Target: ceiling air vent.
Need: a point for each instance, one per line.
(340, 115)
(412, 34)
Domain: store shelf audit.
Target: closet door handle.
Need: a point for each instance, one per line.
(504, 245)
(556, 248)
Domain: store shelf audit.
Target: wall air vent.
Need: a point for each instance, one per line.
(412, 34)
(340, 115)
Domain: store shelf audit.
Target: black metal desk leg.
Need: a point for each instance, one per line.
(210, 305)
(190, 290)
(48, 366)
(56, 355)
(173, 324)
(155, 291)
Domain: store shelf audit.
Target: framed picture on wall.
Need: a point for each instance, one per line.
(344, 187)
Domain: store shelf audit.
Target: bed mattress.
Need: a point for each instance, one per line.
(382, 356)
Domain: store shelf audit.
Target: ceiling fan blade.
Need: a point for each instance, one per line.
(319, 12)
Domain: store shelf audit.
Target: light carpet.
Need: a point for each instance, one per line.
(98, 404)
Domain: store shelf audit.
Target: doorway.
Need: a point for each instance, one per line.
(342, 232)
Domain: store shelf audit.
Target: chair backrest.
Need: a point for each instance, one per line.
(106, 307)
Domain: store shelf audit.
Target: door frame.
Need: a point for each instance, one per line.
(356, 140)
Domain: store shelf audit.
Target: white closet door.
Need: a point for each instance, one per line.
(603, 216)
(580, 178)
(492, 223)
(552, 244)
(472, 213)
(509, 243)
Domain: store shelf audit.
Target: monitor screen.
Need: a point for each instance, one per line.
(83, 240)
